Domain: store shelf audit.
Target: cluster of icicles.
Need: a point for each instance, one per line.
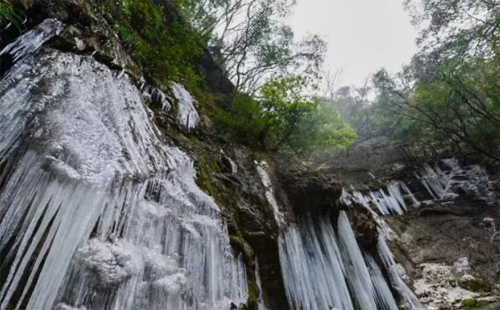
(446, 179)
(324, 268)
(96, 211)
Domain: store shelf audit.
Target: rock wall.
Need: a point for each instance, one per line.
(119, 186)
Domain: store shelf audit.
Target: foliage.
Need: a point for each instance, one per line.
(355, 107)
(450, 94)
(250, 40)
(8, 15)
(283, 119)
(165, 48)
(460, 105)
(451, 28)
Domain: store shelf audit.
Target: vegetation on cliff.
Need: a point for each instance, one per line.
(165, 48)
(283, 119)
(272, 107)
(448, 97)
(8, 15)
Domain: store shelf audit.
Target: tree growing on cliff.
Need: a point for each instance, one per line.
(250, 40)
(450, 29)
(450, 93)
(8, 15)
(282, 118)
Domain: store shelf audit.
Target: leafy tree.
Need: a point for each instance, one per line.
(460, 106)
(250, 40)
(8, 15)
(325, 129)
(456, 28)
(450, 94)
(282, 118)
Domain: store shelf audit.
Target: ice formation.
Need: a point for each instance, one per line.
(31, 41)
(312, 267)
(234, 166)
(262, 169)
(151, 94)
(96, 212)
(396, 278)
(187, 113)
(448, 179)
(358, 274)
(323, 268)
(390, 200)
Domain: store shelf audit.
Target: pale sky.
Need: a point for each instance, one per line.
(362, 35)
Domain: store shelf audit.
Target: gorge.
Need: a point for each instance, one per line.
(116, 194)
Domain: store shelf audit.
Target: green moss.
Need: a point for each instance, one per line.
(475, 285)
(206, 166)
(474, 303)
(8, 14)
(253, 294)
(469, 303)
(165, 49)
(241, 246)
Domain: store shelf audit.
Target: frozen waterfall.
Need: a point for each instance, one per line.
(32, 40)
(262, 170)
(96, 212)
(187, 114)
(323, 267)
(393, 199)
(448, 178)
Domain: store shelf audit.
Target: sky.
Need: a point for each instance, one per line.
(362, 35)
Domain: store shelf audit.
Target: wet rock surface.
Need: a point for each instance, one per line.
(452, 251)
(230, 205)
(446, 234)
(308, 189)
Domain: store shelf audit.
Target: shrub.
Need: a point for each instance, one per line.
(166, 49)
(283, 119)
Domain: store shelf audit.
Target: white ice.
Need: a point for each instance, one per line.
(187, 113)
(96, 210)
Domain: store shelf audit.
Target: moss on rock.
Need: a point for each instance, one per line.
(474, 303)
(474, 284)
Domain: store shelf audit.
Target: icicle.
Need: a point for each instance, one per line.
(150, 92)
(96, 212)
(262, 169)
(358, 275)
(317, 269)
(234, 167)
(409, 193)
(390, 202)
(187, 114)
(409, 298)
(312, 267)
(32, 40)
(383, 293)
(434, 181)
(121, 74)
(455, 180)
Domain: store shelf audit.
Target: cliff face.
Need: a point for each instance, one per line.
(116, 193)
(442, 214)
